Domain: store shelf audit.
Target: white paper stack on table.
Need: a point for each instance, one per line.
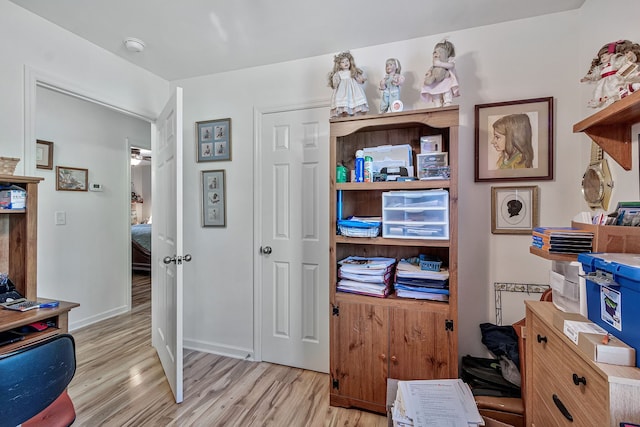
(413, 282)
(435, 403)
(366, 276)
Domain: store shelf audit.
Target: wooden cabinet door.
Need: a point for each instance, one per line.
(359, 358)
(420, 345)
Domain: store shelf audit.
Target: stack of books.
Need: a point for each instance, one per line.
(413, 282)
(366, 276)
(562, 240)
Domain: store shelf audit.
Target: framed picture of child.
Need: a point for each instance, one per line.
(514, 140)
(213, 140)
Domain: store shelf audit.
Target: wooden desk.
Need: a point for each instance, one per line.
(59, 316)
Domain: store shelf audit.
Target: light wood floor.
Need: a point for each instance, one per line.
(119, 382)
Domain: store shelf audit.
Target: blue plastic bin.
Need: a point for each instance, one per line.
(613, 294)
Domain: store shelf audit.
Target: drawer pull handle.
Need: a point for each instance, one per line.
(577, 380)
(562, 408)
(542, 338)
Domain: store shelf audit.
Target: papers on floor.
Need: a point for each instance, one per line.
(413, 282)
(435, 403)
(366, 276)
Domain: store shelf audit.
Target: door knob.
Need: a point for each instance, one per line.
(266, 250)
(187, 258)
(169, 260)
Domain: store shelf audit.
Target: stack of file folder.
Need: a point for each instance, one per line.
(562, 240)
(366, 276)
(426, 403)
(413, 282)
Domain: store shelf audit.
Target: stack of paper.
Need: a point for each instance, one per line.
(435, 403)
(366, 276)
(413, 282)
(564, 240)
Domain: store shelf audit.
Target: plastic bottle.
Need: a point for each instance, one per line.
(341, 173)
(368, 169)
(359, 166)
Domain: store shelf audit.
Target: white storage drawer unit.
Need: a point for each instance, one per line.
(415, 214)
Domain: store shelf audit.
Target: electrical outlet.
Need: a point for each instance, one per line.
(61, 218)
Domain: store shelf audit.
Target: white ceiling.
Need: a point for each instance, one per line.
(189, 38)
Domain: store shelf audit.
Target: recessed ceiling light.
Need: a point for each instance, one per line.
(134, 45)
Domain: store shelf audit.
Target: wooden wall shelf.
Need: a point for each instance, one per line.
(610, 128)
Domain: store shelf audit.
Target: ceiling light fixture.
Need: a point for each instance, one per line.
(134, 45)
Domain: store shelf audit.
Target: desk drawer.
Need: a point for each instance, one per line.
(555, 365)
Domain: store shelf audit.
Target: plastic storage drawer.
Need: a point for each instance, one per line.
(415, 214)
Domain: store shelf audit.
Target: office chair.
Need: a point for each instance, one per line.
(33, 383)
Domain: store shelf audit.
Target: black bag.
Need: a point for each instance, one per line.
(484, 376)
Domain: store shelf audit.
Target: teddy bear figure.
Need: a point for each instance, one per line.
(440, 81)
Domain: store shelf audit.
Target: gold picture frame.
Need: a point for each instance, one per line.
(72, 179)
(514, 210)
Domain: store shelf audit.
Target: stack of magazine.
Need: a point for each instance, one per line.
(413, 282)
(562, 240)
(366, 276)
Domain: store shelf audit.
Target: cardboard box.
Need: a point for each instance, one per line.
(572, 324)
(615, 352)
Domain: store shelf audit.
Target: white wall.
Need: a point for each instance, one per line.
(529, 58)
(32, 46)
(537, 57)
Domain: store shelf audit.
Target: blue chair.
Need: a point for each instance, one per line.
(33, 383)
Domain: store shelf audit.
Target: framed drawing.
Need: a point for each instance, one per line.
(514, 140)
(71, 179)
(44, 154)
(214, 140)
(214, 199)
(514, 210)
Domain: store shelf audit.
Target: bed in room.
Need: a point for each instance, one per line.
(141, 247)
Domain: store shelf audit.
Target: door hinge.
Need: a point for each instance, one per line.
(448, 325)
(335, 310)
(335, 384)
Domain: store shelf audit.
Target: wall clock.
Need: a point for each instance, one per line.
(596, 181)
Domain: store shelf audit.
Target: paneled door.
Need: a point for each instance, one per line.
(166, 249)
(294, 247)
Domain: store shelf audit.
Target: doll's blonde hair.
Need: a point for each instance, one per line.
(395, 62)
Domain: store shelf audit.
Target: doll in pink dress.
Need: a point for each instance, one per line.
(347, 82)
(440, 81)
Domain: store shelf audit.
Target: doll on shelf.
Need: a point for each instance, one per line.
(629, 71)
(390, 84)
(604, 72)
(440, 81)
(347, 82)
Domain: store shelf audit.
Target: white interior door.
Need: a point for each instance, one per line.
(166, 289)
(294, 238)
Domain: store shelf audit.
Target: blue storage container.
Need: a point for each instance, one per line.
(613, 294)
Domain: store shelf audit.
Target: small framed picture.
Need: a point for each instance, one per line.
(71, 179)
(214, 199)
(44, 154)
(214, 140)
(514, 210)
(514, 140)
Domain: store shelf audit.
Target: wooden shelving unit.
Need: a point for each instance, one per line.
(373, 339)
(18, 257)
(610, 128)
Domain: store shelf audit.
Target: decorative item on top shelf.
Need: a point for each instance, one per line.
(347, 82)
(214, 140)
(514, 140)
(440, 81)
(71, 179)
(615, 72)
(514, 210)
(390, 86)
(8, 165)
(214, 199)
(44, 154)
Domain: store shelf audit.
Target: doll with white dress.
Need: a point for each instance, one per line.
(347, 82)
(390, 84)
(440, 81)
(604, 72)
